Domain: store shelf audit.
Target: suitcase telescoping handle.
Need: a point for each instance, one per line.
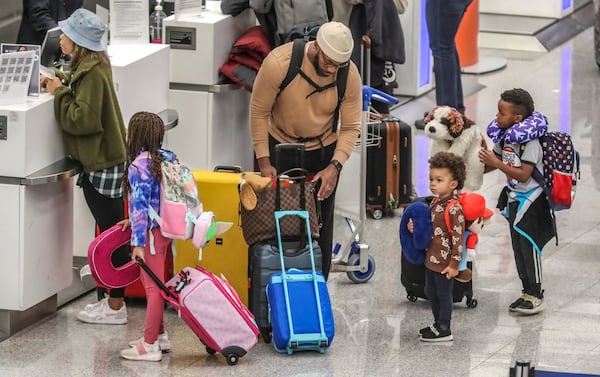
(293, 277)
(303, 214)
(153, 276)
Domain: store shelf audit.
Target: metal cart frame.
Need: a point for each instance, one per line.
(353, 256)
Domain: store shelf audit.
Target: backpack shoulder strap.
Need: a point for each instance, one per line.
(295, 68)
(447, 212)
(295, 63)
(537, 175)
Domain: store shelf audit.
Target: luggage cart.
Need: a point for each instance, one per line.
(353, 256)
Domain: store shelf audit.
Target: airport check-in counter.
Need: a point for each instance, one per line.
(213, 124)
(46, 226)
(36, 197)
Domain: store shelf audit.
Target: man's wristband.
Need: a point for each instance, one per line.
(337, 165)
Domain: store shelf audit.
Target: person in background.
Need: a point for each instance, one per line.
(88, 112)
(447, 175)
(304, 113)
(41, 15)
(379, 21)
(522, 200)
(142, 186)
(443, 19)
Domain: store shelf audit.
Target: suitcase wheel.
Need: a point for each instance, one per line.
(232, 358)
(266, 334)
(471, 302)
(210, 351)
(411, 298)
(377, 214)
(233, 354)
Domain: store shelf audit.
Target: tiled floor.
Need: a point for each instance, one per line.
(376, 325)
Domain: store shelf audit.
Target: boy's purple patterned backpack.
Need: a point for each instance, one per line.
(561, 169)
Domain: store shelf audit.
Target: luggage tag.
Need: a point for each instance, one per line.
(284, 181)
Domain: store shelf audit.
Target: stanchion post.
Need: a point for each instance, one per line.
(522, 368)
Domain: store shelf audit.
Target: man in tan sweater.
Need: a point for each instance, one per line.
(304, 112)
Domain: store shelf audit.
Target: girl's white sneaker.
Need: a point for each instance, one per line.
(143, 351)
(163, 342)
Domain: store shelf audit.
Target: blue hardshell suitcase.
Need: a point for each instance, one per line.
(263, 262)
(299, 305)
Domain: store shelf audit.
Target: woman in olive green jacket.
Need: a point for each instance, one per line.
(87, 110)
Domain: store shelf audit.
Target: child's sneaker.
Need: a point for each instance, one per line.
(424, 329)
(435, 334)
(530, 305)
(102, 313)
(163, 342)
(512, 307)
(90, 307)
(464, 276)
(143, 351)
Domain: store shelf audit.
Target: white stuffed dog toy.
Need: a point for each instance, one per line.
(451, 131)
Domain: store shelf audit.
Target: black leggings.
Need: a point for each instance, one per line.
(315, 161)
(107, 212)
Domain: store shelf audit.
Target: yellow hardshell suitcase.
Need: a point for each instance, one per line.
(226, 254)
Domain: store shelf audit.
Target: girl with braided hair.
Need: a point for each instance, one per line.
(142, 186)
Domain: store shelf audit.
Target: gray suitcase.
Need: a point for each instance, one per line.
(263, 261)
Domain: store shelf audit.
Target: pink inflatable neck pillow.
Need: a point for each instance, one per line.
(99, 259)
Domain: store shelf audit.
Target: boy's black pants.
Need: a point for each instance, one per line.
(438, 290)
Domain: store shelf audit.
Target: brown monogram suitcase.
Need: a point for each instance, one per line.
(258, 224)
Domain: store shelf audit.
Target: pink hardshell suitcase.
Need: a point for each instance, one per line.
(212, 309)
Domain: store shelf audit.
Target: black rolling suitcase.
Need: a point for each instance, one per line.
(389, 167)
(412, 277)
(263, 261)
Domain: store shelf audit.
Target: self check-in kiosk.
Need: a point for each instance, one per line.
(213, 117)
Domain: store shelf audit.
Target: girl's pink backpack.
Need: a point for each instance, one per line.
(180, 215)
(99, 259)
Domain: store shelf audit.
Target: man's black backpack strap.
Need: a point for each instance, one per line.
(294, 69)
(295, 63)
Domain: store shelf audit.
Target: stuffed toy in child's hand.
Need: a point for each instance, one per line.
(450, 131)
(414, 244)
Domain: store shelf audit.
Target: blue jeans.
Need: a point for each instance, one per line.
(443, 19)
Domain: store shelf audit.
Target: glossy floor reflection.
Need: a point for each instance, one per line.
(376, 325)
